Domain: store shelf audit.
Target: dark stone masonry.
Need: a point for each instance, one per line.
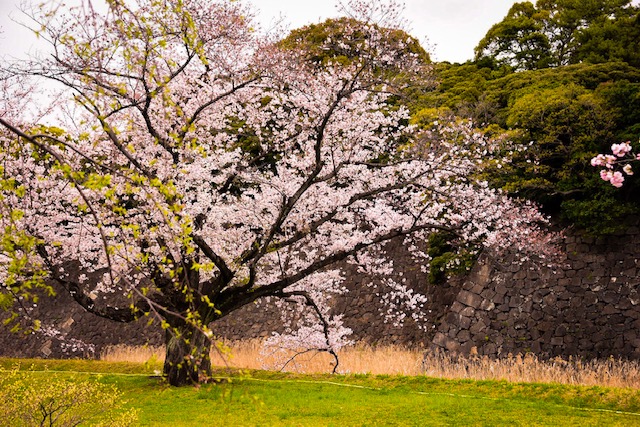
(588, 306)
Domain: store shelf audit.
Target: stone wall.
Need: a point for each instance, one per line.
(588, 307)
(75, 333)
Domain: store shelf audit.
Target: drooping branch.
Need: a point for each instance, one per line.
(118, 314)
(325, 325)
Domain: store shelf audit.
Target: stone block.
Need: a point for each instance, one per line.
(534, 333)
(515, 301)
(477, 288)
(624, 304)
(502, 316)
(537, 297)
(630, 335)
(561, 331)
(590, 298)
(487, 305)
(537, 315)
(533, 274)
(477, 327)
(504, 308)
(546, 326)
(468, 285)
(467, 348)
(488, 294)
(501, 289)
(469, 298)
(463, 337)
(566, 295)
(617, 320)
(456, 307)
(490, 350)
(549, 299)
(576, 302)
(536, 348)
(443, 341)
(632, 313)
(468, 312)
(464, 322)
(557, 341)
(611, 297)
(452, 318)
(520, 275)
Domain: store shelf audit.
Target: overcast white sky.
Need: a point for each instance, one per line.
(448, 29)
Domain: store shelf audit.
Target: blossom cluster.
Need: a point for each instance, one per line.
(621, 157)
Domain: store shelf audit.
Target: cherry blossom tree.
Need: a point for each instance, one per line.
(197, 166)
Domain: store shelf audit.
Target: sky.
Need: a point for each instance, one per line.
(448, 29)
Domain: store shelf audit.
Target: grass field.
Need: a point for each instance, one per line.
(265, 398)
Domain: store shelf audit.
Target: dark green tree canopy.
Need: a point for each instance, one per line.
(518, 40)
(561, 32)
(564, 116)
(345, 40)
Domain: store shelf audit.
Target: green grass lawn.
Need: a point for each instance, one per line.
(260, 398)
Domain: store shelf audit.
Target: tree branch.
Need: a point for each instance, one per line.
(233, 298)
(225, 271)
(325, 325)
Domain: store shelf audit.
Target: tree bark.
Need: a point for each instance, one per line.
(187, 359)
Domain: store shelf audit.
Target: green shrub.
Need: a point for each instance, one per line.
(448, 259)
(44, 399)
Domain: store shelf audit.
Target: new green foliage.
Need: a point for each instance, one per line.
(50, 399)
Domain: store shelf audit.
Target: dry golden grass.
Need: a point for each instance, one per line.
(251, 354)
(137, 354)
(394, 360)
(529, 368)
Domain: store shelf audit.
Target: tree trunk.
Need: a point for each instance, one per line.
(187, 359)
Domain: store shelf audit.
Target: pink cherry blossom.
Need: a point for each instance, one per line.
(617, 179)
(621, 149)
(620, 160)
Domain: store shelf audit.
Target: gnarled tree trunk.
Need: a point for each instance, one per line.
(187, 358)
